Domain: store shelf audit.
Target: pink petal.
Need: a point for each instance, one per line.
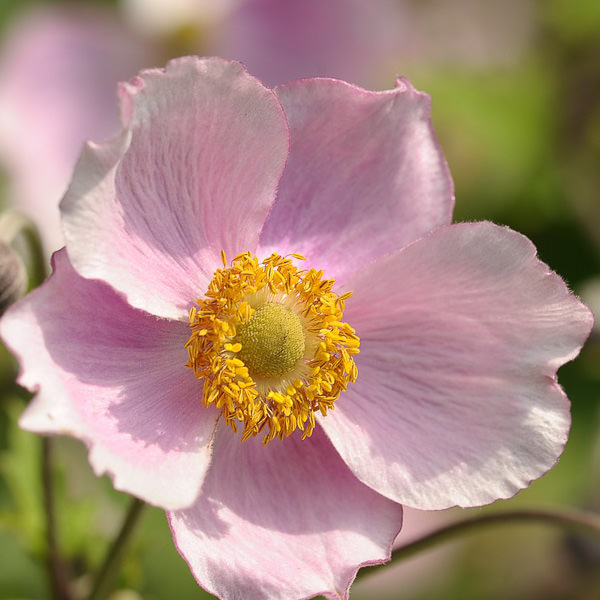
(456, 400)
(114, 377)
(363, 166)
(282, 522)
(59, 67)
(208, 145)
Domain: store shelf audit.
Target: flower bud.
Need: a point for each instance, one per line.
(13, 277)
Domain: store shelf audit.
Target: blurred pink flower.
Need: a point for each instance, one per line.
(362, 41)
(461, 327)
(59, 65)
(58, 71)
(280, 40)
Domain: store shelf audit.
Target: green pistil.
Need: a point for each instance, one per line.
(272, 341)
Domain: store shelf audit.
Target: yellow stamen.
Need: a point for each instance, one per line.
(269, 343)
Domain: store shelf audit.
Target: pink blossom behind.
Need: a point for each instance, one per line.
(366, 42)
(59, 66)
(58, 72)
(280, 40)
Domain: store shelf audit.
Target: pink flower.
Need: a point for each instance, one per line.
(461, 327)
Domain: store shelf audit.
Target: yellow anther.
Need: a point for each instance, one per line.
(233, 347)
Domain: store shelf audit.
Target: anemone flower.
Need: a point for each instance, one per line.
(264, 322)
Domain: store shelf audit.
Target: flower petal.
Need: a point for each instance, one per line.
(456, 400)
(362, 166)
(114, 377)
(207, 146)
(284, 521)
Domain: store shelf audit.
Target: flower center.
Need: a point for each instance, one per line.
(270, 346)
(272, 341)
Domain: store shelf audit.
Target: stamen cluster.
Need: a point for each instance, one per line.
(279, 404)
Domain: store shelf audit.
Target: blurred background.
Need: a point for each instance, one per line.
(516, 106)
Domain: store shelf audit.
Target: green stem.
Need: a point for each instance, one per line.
(12, 225)
(57, 571)
(568, 519)
(110, 567)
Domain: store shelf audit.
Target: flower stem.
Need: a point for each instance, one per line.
(114, 555)
(56, 567)
(12, 225)
(568, 519)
